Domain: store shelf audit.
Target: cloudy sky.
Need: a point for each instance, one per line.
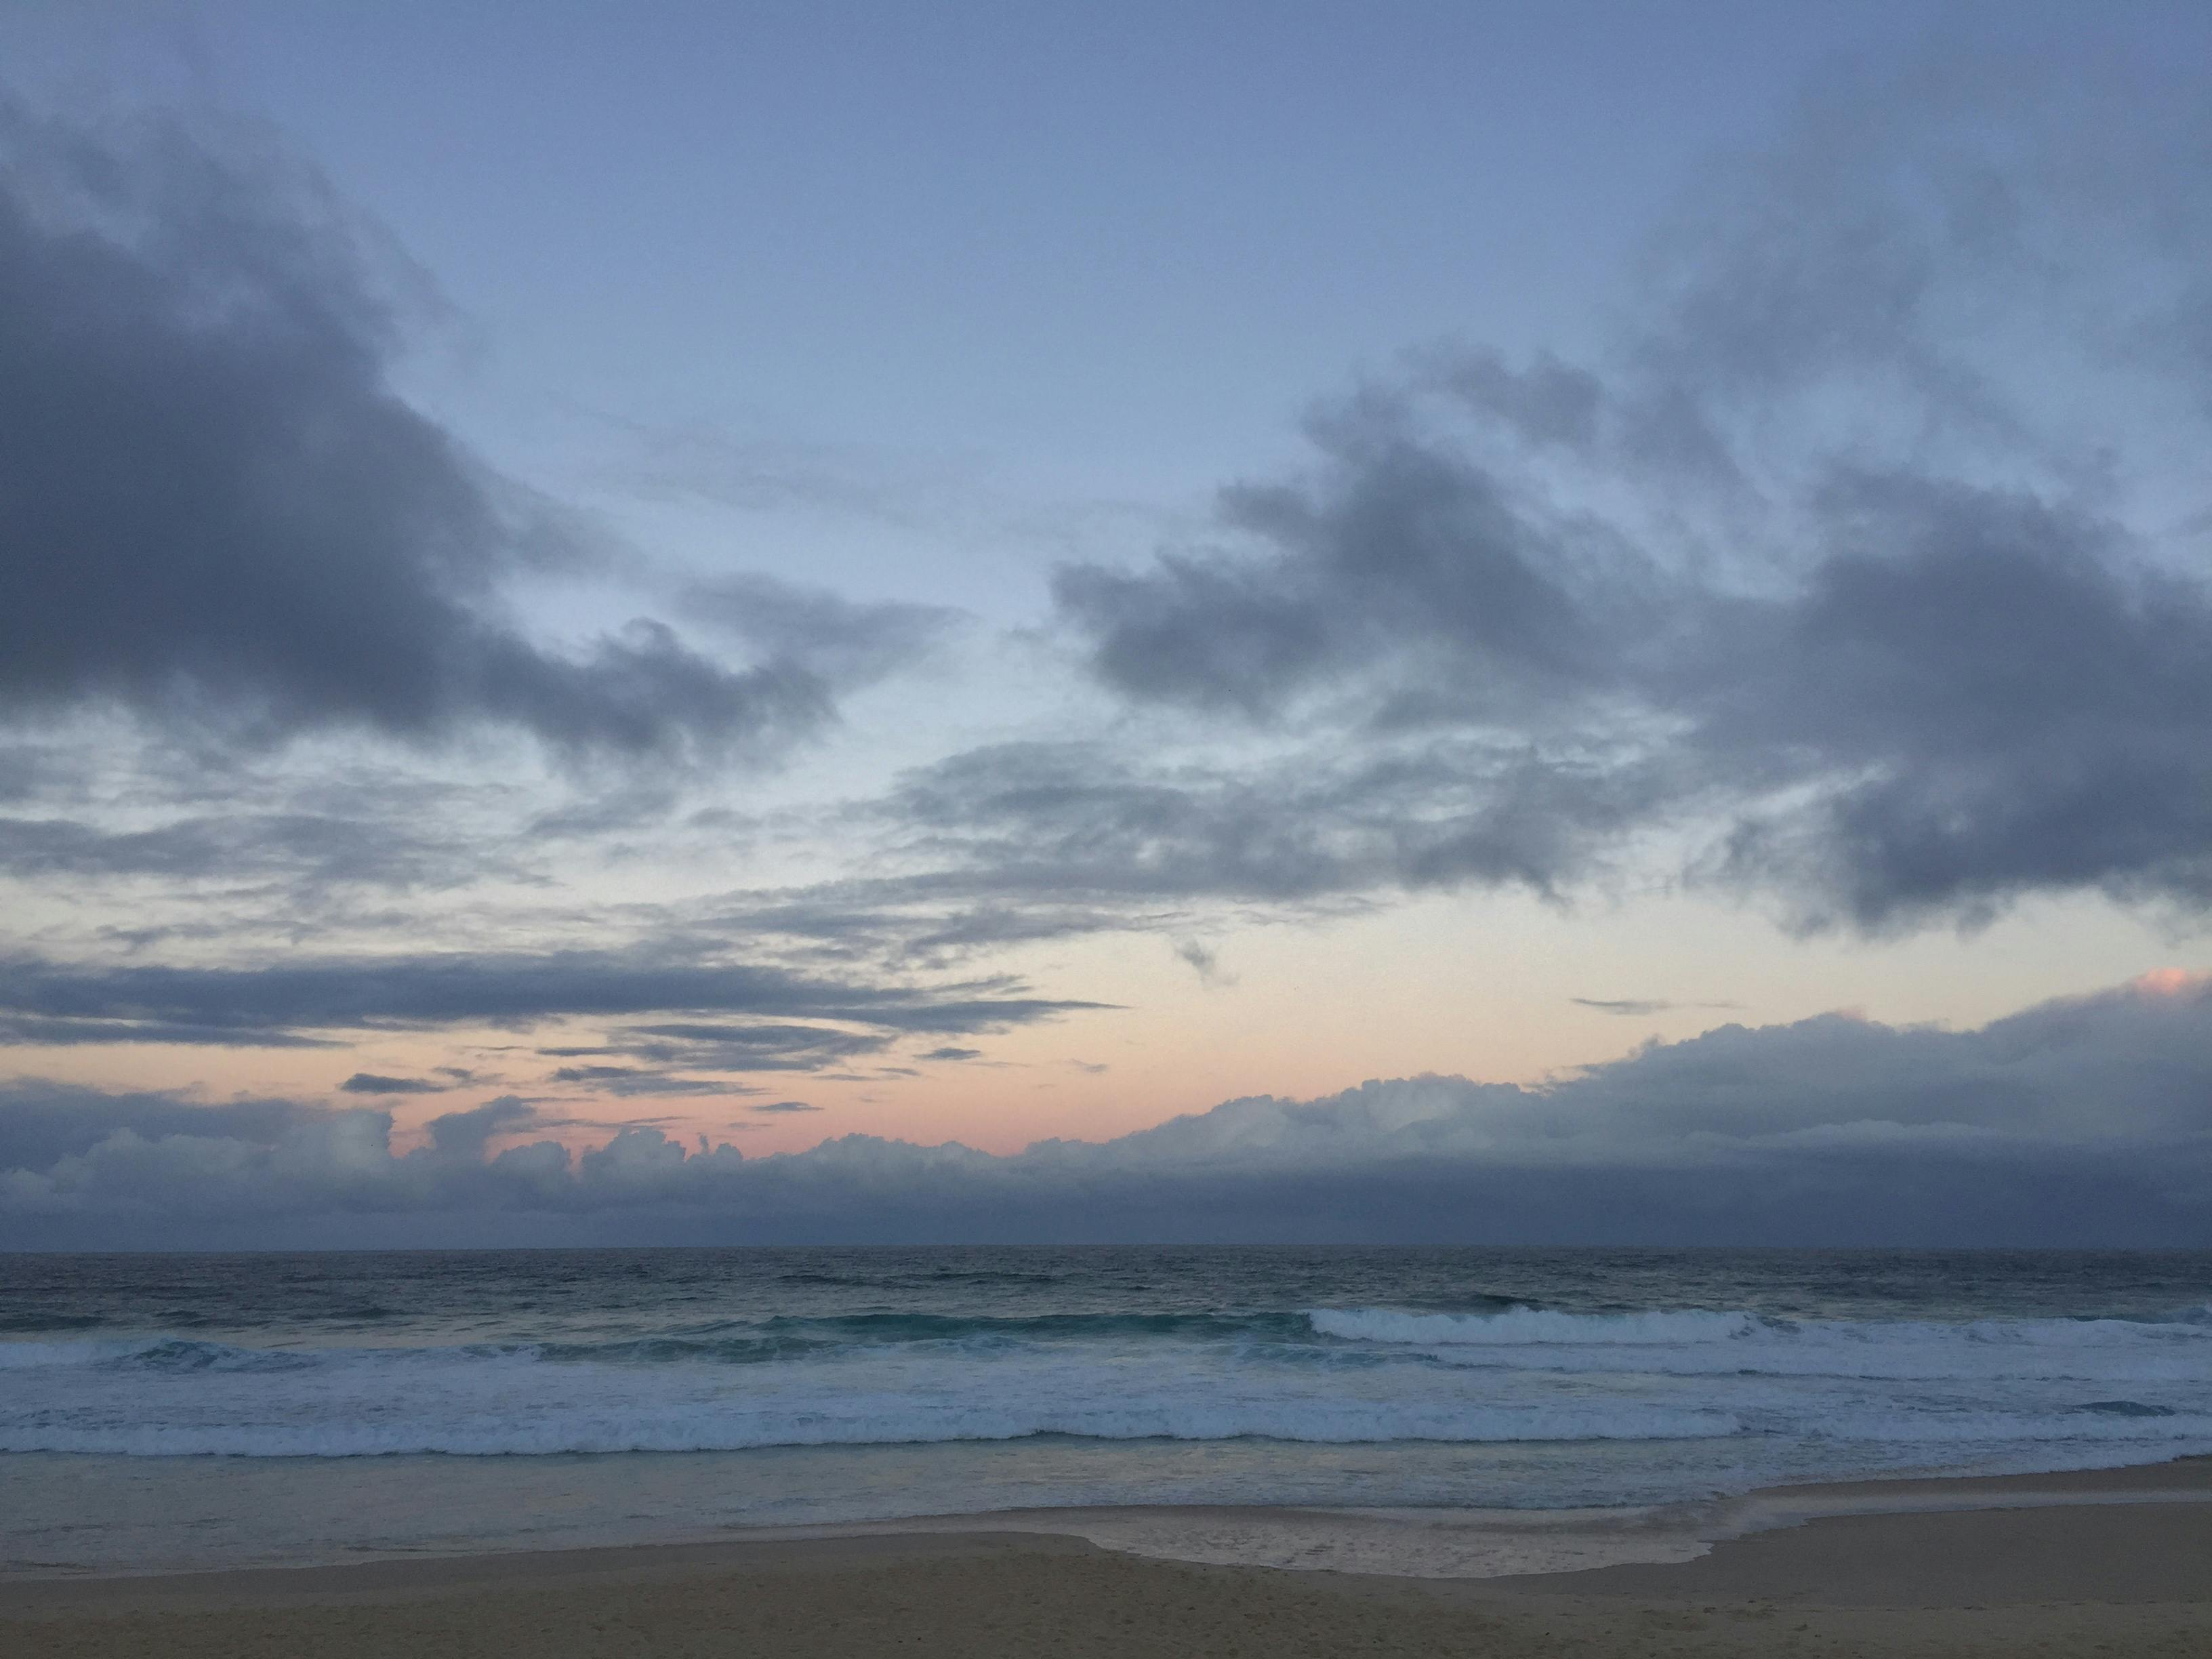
(1270, 621)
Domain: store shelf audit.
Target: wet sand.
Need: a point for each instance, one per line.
(2116, 1562)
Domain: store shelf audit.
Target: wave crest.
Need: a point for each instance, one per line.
(1524, 1326)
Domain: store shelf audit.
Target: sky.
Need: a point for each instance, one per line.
(690, 624)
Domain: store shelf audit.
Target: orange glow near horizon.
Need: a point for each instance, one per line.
(2168, 981)
(1494, 989)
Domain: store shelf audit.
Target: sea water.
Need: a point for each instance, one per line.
(187, 1410)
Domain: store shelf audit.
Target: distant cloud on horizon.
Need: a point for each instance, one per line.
(1637, 1007)
(368, 1083)
(2087, 1120)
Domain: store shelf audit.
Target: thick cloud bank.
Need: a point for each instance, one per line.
(2083, 1121)
(215, 507)
(1869, 557)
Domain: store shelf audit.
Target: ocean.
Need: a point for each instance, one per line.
(180, 1410)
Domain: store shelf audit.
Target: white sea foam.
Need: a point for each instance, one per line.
(1700, 1344)
(455, 1401)
(1519, 1327)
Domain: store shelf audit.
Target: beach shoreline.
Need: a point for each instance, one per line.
(2118, 1558)
(1434, 1543)
(1471, 1544)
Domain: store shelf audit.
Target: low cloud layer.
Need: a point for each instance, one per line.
(2083, 1121)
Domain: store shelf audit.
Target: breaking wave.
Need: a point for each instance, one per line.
(1510, 1375)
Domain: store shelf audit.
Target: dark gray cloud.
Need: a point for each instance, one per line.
(1999, 699)
(1063, 825)
(313, 997)
(2081, 1121)
(1025, 841)
(1970, 694)
(784, 1106)
(369, 1083)
(27, 771)
(1204, 962)
(1550, 404)
(953, 1055)
(1822, 561)
(1637, 1007)
(1401, 548)
(43, 1122)
(69, 1031)
(305, 850)
(963, 903)
(219, 512)
(762, 1045)
(464, 1133)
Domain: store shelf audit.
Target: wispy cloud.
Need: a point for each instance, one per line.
(368, 1083)
(314, 997)
(1637, 1007)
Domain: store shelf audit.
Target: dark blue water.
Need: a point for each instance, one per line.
(531, 1294)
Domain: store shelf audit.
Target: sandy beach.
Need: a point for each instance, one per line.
(2115, 1562)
